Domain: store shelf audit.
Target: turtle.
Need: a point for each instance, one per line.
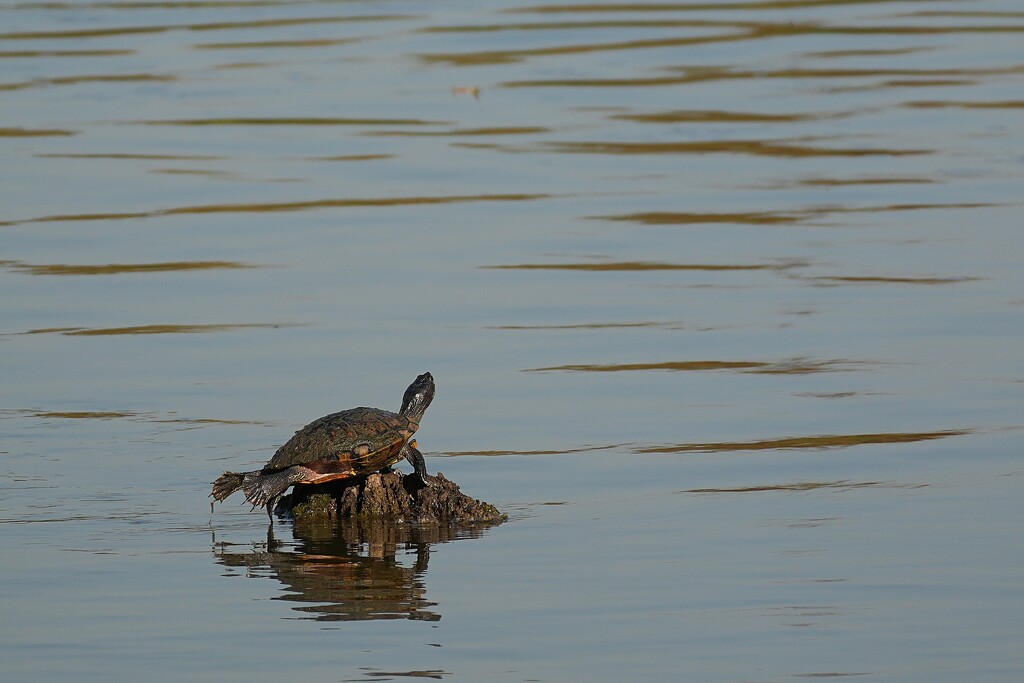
(343, 445)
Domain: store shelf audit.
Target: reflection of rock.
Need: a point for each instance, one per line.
(391, 496)
(348, 559)
(351, 571)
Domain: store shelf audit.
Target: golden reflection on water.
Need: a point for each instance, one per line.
(273, 207)
(794, 366)
(789, 217)
(118, 268)
(611, 266)
(129, 156)
(804, 486)
(940, 104)
(156, 329)
(92, 78)
(690, 217)
(836, 280)
(818, 442)
(684, 75)
(774, 148)
(592, 326)
(810, 442)
(462, 132)
(730, 31)
(718, 116)
(291, 121)
(84, 414)
(843, 182)
(129, 415)
(5, 54)
(33, 132)
(494, 452)
(260, 44)
(103, 32)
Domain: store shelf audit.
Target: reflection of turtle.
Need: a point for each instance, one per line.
(343, 445)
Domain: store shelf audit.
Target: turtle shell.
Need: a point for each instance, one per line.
(359, 440)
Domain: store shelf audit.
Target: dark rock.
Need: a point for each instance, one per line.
(392, 496)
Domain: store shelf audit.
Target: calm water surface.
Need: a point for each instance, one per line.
(724, 301)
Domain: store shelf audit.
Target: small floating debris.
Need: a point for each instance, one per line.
(473, 90)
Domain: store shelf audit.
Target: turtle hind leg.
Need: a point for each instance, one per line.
(265, 489)
(228, 483)
(271, 505)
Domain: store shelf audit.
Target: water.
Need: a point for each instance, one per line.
(723, 301)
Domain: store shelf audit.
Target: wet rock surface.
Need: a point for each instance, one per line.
(392, 496)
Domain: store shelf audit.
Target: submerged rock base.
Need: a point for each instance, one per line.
(390, 495)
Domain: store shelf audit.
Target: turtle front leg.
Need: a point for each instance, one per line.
(415, 458)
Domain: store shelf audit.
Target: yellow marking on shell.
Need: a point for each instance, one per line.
(332, 476)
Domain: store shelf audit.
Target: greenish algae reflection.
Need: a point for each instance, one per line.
(84, 414)
(34, 132)
(513, 56)
(131, 156)
(939, 104)
(710, 116)
(119, 268)
(740, 31)
(868, 52)
(564, 451)
(157, 329)
(645, 266)
(277, 207)
(693, 218)
(792, 216)
(803, 486)
(64, 53)
(95, 78)
(105, 32)
(821, 442)
(461, 132)
(774, 148)
(260, 44)
(592, 326)
(681, 366)
(193, 171)
(837, 280)
(688, 6)
(842, 182)
(682, 75)
(589, 24)
(351, 157)
(792, 366)
(171, 4)
(133, 415)
(290, 121)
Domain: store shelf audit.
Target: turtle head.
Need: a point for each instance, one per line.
(418, 396)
